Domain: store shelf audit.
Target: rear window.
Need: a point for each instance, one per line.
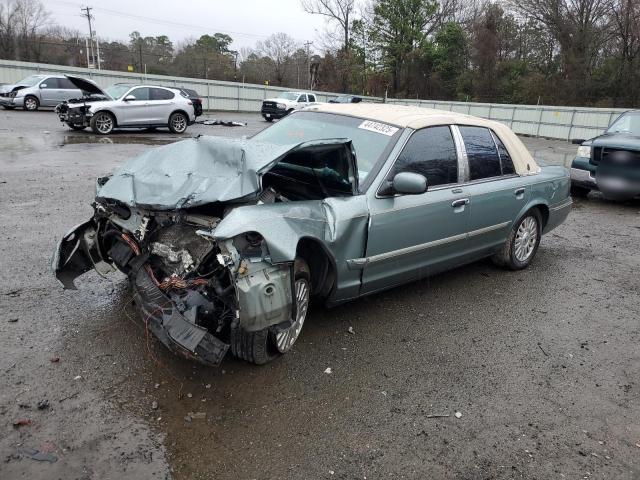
(505, 159)
(190, 93)
(484, 161)
(161, 94)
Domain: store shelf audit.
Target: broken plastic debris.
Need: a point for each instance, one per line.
(457, 414)
(208, 385)
(198, 415)
(54, 359)
(35, 454)
(22, 422)
(77, 377)
(327, 370)
(350, 330)
(154, 405)
(43, 404)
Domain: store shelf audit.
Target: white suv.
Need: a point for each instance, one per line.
(285, 103)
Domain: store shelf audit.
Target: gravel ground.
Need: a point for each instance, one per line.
(543, 364)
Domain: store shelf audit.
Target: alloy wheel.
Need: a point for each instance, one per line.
(526, 239)
(30, 103)
(104, 123)
(286, 338)
(179, 123)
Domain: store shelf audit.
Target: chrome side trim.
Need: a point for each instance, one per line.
(567, 203)
(359, 263)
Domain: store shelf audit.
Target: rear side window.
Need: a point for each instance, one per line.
(161, 94)
(484, 161)
(505, 159)
(312, 98)
(66, 84)
(302, 98)
(430, 152)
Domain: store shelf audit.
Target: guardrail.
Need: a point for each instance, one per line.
(539, 121)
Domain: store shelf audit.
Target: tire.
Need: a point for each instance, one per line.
(581, 192)
(103, 123)
(31, 103)
(178, 123)
(521, 245)
(8, 107)
(268, 119)
(266, 345)
(76, 127)
(289, 112)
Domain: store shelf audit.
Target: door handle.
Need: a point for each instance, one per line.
(519, 191)
(460, 203)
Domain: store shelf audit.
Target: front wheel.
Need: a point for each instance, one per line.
(178, 122)
(268, 119)
(31, 103)
(521, 246)
(265, 345)
(103, 123)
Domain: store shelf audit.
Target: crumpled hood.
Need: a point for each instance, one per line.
(192, 172)
(11, 87)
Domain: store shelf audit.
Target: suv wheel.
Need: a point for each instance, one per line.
(178, 122)
(265, 345)
(577, 191)
(103, 123)
(522, 244)
(31, 103)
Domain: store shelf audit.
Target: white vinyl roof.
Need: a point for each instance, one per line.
(417, 117)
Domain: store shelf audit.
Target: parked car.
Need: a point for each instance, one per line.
(346, 99)
(195, 98)
(226, 247)
(38, 91)
(127, 106)
(285, 103)
(610, 162)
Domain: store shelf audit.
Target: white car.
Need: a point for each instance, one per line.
(285, 103)
(126, 106)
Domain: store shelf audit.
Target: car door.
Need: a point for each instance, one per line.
(161, 104)
(412, 236)
(496, 194)
(134, 111)
(49, 92)
(302, 101)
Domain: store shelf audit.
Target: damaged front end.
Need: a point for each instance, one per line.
(202, 290)
(190, 289)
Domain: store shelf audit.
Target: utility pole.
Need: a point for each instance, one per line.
(87, 13)
(140, 52)
(308, 44)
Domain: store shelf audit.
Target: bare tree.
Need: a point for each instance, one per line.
(20, 24)
(336, 11)
(278, 47)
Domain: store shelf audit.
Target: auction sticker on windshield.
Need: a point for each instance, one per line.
(377, 127)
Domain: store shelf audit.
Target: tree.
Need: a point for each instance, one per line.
(278, 47)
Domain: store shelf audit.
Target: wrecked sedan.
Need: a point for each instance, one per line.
(225, 242)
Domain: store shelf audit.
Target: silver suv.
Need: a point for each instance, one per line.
(38, 91)
(126, 106)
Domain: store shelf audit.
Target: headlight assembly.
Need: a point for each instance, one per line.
(584, 151)
(281, 106)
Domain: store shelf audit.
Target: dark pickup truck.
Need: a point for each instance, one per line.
(610, 162)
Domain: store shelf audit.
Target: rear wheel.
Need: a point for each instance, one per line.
(103, 123)
(31, 103)
(265, 345)
(577, 191)
(178, 122)
(521, 246)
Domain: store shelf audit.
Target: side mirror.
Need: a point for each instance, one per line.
(409, 183)
(43, 85)
(129, 98)
(577, 141)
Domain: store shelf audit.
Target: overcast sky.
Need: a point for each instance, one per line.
(246, 21)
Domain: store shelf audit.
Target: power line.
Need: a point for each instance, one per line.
(146, 19)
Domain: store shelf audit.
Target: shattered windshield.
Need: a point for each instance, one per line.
(370, 139)
(29, 81)
(288, 96)
(627, 123)
(116, 91)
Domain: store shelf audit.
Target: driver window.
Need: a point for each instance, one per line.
(140, 93)
(430, 152)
